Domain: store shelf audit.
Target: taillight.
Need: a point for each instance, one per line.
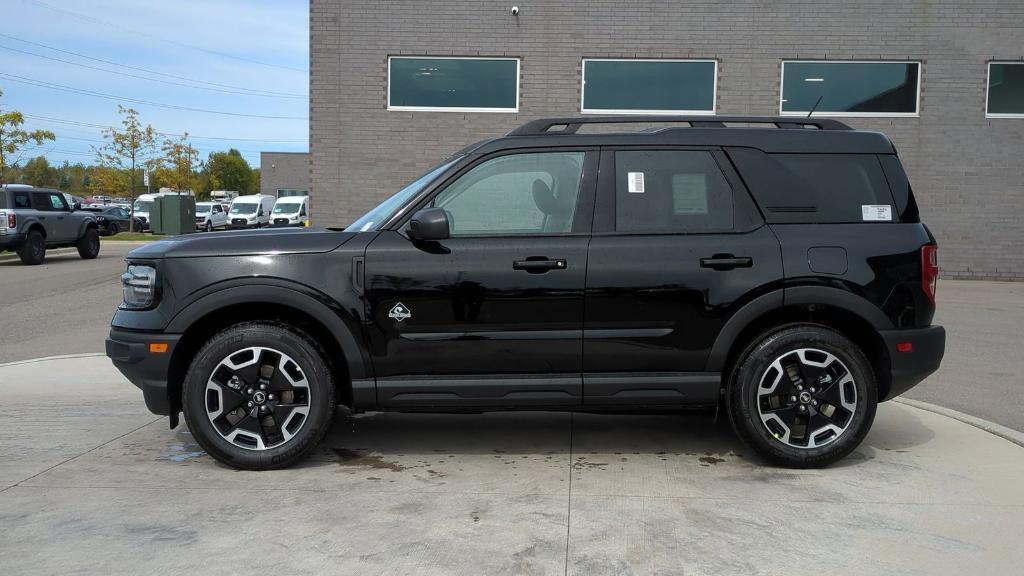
(12, 220)
(929, 269)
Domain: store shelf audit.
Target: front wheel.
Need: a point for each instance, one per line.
(259, 396)
(112, 230)
(89, 244)
(803, 396)
(208, 227)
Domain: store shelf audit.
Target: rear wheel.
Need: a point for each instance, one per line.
(112, 229)
(803, 396)
(259, 396)
(89, 244)
(33, 251)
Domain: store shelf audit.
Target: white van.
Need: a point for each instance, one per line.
(251, 211)
(291, 211)
(141, 208)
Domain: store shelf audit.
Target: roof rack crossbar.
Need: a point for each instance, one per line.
(572, 125)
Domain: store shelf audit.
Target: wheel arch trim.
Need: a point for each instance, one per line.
(332, 318)
(796, 295)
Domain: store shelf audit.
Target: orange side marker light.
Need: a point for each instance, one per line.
(155, 348)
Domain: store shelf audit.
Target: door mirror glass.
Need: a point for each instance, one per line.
(429, 224)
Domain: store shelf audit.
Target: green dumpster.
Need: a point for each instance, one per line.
(173, 214)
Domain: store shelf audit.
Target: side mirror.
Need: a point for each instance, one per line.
(429, 224)
(76, 206)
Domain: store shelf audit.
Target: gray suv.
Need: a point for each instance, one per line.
(34, 219)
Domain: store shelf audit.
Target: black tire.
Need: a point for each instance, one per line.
(795, 436)
(33, 251)
(89, 244)
(285, 341)
(208, 227)
(112, 229)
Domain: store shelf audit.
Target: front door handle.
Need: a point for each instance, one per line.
(539, 264)
(726, 262)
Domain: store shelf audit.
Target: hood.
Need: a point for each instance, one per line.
(245, 243)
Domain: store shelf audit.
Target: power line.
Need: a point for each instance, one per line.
(239, 92)
(83, 92)
(160, 38)
(147, 70)
(90, 125)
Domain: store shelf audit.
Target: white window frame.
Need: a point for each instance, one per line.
(454, 108)
(917, 101)
(988, 88)
(583, 88)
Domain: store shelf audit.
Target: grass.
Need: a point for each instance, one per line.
(135, 237)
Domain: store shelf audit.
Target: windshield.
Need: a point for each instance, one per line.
(287, 207)
(387, 208)
(203, 208)
(143, 205)
(244, 208)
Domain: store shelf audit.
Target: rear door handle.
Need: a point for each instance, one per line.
(726, 262)
(539, 265)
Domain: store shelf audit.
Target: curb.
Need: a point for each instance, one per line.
(48, 358)
(1003, 432)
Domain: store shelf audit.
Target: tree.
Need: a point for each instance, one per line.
(38, 172)
(180, 163)
(229, 171)
(13, 138)
(257, 182)
(124, 152)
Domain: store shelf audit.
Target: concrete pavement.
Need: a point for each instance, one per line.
(93, 484)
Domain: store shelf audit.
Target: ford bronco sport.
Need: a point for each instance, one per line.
(34, 219)
(781, 274)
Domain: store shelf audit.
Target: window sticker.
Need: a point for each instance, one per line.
(636, 182)
(876, 212)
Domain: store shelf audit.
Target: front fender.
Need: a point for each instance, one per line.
(341, 323)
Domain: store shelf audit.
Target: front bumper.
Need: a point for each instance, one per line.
(909, 368)
(11, 241)
(130, 353)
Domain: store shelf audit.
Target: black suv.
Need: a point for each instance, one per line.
(773, 267)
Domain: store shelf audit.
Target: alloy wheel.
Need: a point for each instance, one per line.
(257, 398)
(807, 398)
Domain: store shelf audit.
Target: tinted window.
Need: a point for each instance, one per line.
(648, 85)
(866, 88)
(827, 188)
(48, 202)
(21, 200)
(671, 191)
(483, 84)
(1006, 89)
(515, 194)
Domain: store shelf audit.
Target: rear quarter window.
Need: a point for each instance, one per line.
(816, 188)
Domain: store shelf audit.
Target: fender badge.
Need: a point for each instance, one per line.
(399, 312)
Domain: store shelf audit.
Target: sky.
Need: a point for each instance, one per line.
(231, 73)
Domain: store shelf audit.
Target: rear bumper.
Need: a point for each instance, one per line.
(147, 370)
(11, 241)
(927, 346)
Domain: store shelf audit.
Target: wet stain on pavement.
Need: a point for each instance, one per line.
(348, 457)
(707, 460)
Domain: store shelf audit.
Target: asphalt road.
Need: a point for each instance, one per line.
(65, 305)
(62, 306)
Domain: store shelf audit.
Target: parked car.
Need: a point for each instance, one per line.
(291, 211)
(141, 208)
(210, 215)
(251, 211)
(35, 219)
(114, 219)
(780, 274)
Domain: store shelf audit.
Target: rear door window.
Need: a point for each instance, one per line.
(671, 191)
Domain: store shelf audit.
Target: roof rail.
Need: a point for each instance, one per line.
(572, 125)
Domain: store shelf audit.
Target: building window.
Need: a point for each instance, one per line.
(284, 192)
(448, 84)
(1005, 97)
(850, 88)
(613, 86)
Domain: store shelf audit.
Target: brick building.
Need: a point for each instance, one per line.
(397, 85)
(284, 173)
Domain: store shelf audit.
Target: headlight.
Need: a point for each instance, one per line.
(139, 286)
